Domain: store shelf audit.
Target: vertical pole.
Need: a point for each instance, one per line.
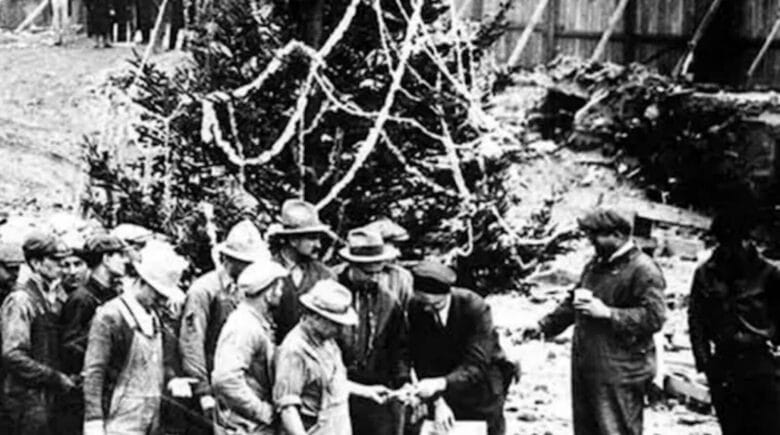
(601, 48)
(550, 37)
(629, 30)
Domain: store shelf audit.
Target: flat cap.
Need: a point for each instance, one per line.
(103, 243)
(433, 277)
(604, 220)
(40, 244)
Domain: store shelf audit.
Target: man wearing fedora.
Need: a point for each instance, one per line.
(124, 371)
(296, 245)
(455, 351)
(243, 363)
(30, 349)
(105, 256)
(311, 389)
(375, 350)
(209, 302)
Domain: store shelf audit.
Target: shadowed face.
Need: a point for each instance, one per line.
(434, 302)
(74, 271)
(307, 245)
(606, 243)
(48, 267)
(367, 272)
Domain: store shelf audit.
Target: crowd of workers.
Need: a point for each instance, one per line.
(99, 338)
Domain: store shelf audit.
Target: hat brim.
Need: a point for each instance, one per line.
(250, 257)
(296, 231)
(386, 255)
(275, 272)
(171, 292)
(349, 318)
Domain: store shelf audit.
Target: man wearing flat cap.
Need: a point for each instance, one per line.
(30, 349)
(375, 350)
(311, 388)
(210, 300)
(455, 350)
(243, 363)
(105, 256)
(296, 246)
(124, 371)
(74, 268)
(616, 308)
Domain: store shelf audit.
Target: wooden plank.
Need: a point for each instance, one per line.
(629, 29)
(686, 61)
(549, 45)
(667, 214)
(764, 48)
(514, 58)
(33, 15)
(601, 48)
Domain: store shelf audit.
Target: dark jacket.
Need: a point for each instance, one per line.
(210, 300)
(289, 311)
(466, 352)
(619, 349)
(76, 317)
(30, 352)
(735, 311)
(375, 351)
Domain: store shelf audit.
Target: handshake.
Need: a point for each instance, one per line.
(409, 394)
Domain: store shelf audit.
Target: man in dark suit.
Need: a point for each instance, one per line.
(455, 350)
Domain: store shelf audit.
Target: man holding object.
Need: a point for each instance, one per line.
(617, 308)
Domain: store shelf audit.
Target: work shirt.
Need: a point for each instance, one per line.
(243, 371)
(308, 273)
(30, 349)
(210, 300)
(735, 311)
(619, 349)
(376, 349)
(306, 366)
(76, 316)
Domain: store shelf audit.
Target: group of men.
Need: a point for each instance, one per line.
(102, 340)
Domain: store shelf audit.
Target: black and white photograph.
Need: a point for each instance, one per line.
(390, 217)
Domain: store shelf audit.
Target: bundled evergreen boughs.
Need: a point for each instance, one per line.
(427, 169)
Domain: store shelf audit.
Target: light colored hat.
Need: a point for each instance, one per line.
(258, 276)
(298, 217)
(366, 246)
(132, 233)
(331, 300)
(245, 243)
(161, 267)
(389, 230)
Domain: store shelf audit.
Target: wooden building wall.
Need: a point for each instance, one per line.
(651, 31)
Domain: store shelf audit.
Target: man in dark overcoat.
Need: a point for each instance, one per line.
(733, 318)
(617, 308)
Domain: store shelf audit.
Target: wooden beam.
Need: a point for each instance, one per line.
(550, 40)
(601, 48)
(629, 29)
(685, 62)
(514, 59)
(35, 14)
(764, 48)
(153, 37)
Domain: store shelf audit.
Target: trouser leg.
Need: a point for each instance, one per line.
(582, 404)
(602, 408)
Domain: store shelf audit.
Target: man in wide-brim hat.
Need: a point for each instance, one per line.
(297, 243)
(124, 368)
(374, 349)
(311, 389)
(210, 300)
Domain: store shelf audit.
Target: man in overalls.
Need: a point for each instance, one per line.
(733, 319)
(30, 349)
(123, 368)
(311, 389)
(243, 363)
(210, 300)
(295, 243)
(376, 349)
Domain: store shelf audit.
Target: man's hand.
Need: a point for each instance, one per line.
(429, 387)
(207, 403)
(181, 387)
(443, 418)
(593, 308)
(375, 393)
(67, 383)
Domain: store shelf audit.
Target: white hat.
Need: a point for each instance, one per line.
(298, 217)
(132, 233)
(366, 246)
(161, 267)
(258, 276)
(331, 300)
(245, 243)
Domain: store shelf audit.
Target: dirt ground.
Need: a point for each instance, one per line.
(48, 103)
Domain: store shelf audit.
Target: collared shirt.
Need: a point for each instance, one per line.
(147, 321)
(444, 312)
(296, 271)
(306, 367)
(621, 251)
